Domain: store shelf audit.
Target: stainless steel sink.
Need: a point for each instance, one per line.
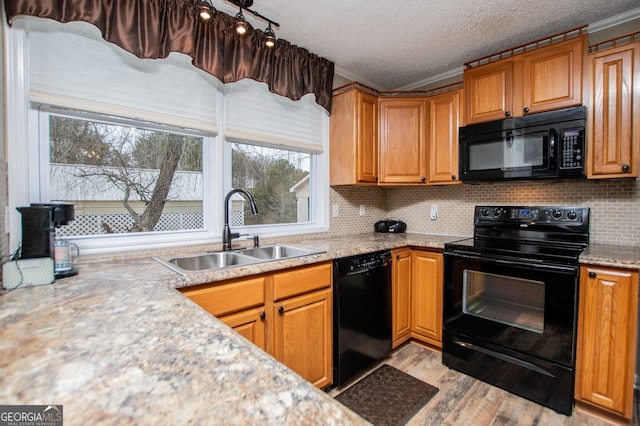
(206, 261)
(277, 252)
(226, 259)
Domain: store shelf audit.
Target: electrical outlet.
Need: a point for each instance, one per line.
(336, 210)
(434, 212)
(363, 211)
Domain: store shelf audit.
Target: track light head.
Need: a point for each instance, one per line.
(205, 10)
(241, 23)
(269, 36)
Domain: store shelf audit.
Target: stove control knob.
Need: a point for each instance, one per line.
(557, 214)
(484, 212)
(572, 215)
(497, 212)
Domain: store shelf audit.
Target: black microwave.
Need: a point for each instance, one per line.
(543, 145)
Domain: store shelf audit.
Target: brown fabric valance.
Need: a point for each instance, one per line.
(152, 29)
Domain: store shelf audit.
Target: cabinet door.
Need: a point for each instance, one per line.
(401, 296)
(367, 152)
(613, 137)
(354, 138)
(303, 336)
(426, 295)
(403, 140)
(251, 324)
(605, 361)
(488, 92)
(444, 121)
(552, 77)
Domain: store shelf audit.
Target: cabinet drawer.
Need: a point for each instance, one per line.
(229, 297)
(303, 280)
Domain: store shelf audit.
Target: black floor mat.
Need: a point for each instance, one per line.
(387, 396)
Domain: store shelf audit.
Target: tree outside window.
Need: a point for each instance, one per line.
(278, 180)
(124, 179)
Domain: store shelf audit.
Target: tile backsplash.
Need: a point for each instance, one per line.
(614, 204)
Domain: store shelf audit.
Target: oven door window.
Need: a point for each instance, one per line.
(508, 300)
(527, 307)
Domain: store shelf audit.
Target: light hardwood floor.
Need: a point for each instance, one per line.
(463, 400)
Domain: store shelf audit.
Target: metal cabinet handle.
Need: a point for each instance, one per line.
(281, 310)
(423, 178)
(397, 257)
(453, 177)
(526, 110)
(263, 315)
(507, 114)
(592, 274)
(625, 168)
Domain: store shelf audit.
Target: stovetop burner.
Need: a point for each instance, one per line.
(518, 250)
(537, 233)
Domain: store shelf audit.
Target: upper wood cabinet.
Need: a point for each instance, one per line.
(403, 140)
(613, 134)
(444, 121)
(488, 92)
(607, 321)
(544, 79)
(354, 138)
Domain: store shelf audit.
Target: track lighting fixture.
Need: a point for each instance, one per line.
(269, 36)
(241, 23)
(205, 9)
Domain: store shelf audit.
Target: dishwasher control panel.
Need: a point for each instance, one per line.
(363, 263)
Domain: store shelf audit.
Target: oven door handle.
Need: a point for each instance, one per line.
(504, 357)
(534, 262)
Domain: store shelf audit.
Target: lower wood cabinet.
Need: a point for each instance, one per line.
(417, 296)
(288, 314)
(401, 296)
(606, 344)
(426, 296)
(251, 324)
(303, 336)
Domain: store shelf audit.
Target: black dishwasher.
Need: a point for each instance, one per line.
(362, 313)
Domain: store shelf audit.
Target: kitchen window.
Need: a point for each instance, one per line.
(73, 78)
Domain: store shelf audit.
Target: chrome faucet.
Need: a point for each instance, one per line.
(227, 235)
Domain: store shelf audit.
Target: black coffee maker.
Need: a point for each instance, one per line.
(39, 223)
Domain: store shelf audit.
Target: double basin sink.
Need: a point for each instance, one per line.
(226, 259)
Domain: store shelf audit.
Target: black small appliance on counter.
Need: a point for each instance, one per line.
(390, 225)
(39, 222)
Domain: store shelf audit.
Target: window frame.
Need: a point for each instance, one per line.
(40, 186)
(26, 147)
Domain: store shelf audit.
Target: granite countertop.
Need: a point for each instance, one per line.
(118, 344)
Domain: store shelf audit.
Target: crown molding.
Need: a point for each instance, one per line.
(456, 72)
(353, 77)
(615, 20)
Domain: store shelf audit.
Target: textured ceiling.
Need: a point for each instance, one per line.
(401, 44)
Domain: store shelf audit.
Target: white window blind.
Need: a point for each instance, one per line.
(72, 66)
(256, 116)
